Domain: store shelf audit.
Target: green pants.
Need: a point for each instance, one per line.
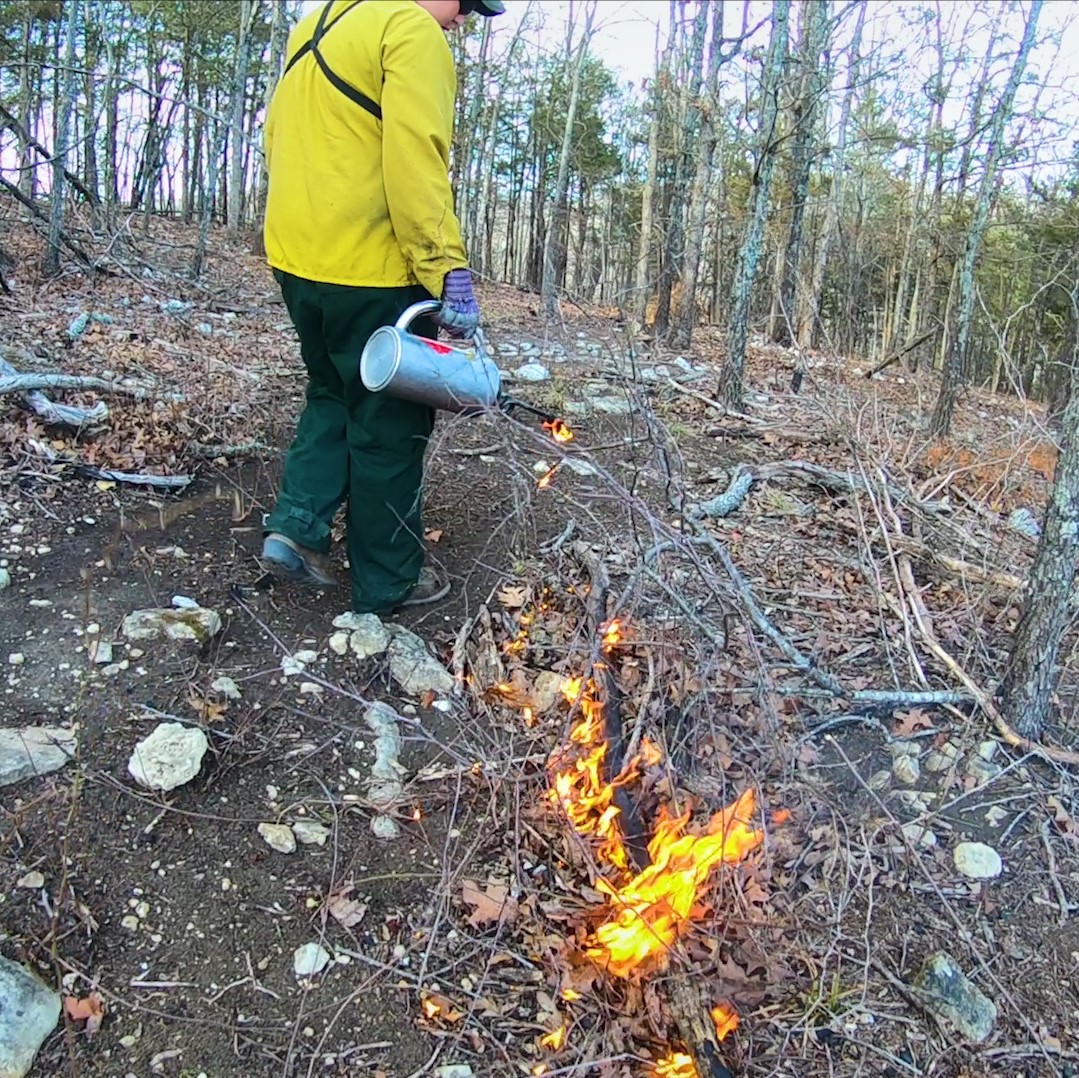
(352, 444)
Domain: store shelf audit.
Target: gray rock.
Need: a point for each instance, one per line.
(977, 861)
(981, 771)
(937, 761)
(533, 372)
(310, 832)
(385, 828)
(175, 306)
(199, 624)
(906, 769)
(339, 642)
(369, 636)
(945, 991)
(34, 750)
(278, 836)
(29, 1012)
(170, 756)
(5, 579)
(1025, 523)
(414, 668)
(579, 467)
(918, 835)
(988, 749)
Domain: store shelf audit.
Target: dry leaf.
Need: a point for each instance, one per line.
(513, 595)
(488, 906)
(1062, 818)
(348, 912)
(432, 535)
(912, 721)
(90, 1009)
(435, 1005)
(207, 710)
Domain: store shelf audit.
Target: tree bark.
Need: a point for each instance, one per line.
(248, 10)
(67, 100)
(733, 374)
(554, 247)
(955, 367)
(1033, 673)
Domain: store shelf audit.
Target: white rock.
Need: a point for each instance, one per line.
(199, 624)
(385, 828)
(349, 620)
(988, 749)
(28, 1014)
(5, 579)
(918, 835)
(310, 833)
(533, 372)
(339, 642)
(32, 881)
(34, 750)
(977, 861)
(182, 602)
(310, 960)
(16, 658)
(454, 1070)
(278, 836)
(307, 656)
(414, 668)
(291, 666)
(310, 688)
(170, 756)
(226, 687)
(580, 467)
(937, 761)
(384, 787)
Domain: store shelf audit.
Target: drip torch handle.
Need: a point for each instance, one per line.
(432, 306)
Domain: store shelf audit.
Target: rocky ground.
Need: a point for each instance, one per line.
(244, 832)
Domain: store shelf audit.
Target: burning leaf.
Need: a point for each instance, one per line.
(725, 1019)
(544, 480)
(559, 430)
(90, 1009)
(555, 1039)
(437, 1006)
(513, 596)
(489, 906)
(348, 912)
(676, 1065)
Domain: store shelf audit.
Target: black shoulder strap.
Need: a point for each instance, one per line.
(334, 79)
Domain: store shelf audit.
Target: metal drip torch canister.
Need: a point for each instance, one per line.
(454, 379)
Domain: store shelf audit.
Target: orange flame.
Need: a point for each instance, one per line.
(559, 430)
(430, 1008)
(544, 480)
(676, 1065)
(612, 635)
(725, 1018)
(653, 909)
(555, 1039)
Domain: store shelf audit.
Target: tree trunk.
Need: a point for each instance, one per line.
(955, 367)
(733, 373)
(278, 41)
(1033, 673)
(63, 126)
(648, 197)
(554, 247)
(808, 321)
(248, 10)
(807, 107)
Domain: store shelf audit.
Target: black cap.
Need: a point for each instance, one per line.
(486, 8)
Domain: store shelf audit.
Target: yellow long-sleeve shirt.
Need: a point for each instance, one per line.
(353, 200)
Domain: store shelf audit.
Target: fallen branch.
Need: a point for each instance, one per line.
(899, 353)
(159, 482)
(633, 831)
(25, 383)
(687, 997)
(229, 452)
(65, 239)
(66, 415)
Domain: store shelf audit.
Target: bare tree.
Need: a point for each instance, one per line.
(955, 366)
(67, 102)
(553, 249)
(1033, 673)
(733, 373)
(249, 10)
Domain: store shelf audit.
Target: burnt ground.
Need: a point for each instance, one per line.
(176, 915)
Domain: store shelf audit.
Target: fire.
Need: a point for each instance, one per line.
(559, 430)
(555, 1039)
(676, 1065)
(653, 909)
(725, 1019)
(430, 1008)
(612, 635)
(544, 480)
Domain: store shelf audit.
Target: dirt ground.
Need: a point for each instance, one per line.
(177, 918)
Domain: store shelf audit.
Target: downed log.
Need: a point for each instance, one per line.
(634, 833)
(900, 352)
(25, 383)
(65, 415)
(688, 1000)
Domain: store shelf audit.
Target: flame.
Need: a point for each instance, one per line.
(653, 909)
(555, 1039)
(559, 430)
(430, 1008)
(676, 1065)
(570, 995)
(612, 635)
(544, 480)
(725, 1019)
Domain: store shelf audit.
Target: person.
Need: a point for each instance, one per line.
(359, 225)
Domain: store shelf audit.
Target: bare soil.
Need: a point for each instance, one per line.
(175, 912)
